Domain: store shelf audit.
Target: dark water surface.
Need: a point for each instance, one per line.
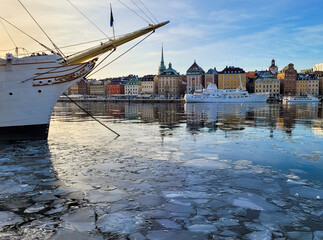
(193, 171)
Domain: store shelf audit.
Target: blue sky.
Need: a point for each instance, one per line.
(215, 33)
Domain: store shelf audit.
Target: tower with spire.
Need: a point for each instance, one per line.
(162, 66)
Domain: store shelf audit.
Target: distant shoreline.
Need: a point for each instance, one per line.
(126, 100)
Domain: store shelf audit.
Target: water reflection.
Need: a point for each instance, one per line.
(214, 117)
(236, 117)
(177, 171)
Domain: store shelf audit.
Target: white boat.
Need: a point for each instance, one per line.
(30, 86)
(300, 99)
(214, 95)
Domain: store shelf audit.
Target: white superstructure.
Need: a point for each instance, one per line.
(214, 95)
(300, 99)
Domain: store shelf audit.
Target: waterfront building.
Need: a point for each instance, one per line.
(211, 76)
(301, 86)
(307, 84)
(133, 87)
(287, 77)
(273, 68)
(82, 87)
(318, 67)
(97, 88)
(318, 70)
(195, 78)
(149, 84)
(115, 87)
(230, 77)
(310, 70)
(320, 78)
(74, 89)
(268, 84)
(313, 86)
(170, 83)
(250, 81)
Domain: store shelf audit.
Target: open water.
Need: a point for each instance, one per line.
(194, 171)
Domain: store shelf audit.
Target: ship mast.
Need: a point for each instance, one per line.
(110, 45)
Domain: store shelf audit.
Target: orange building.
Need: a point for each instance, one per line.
(251, 74)
(115, 88)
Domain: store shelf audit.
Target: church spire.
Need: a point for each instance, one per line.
(162, 58)
(162, 66)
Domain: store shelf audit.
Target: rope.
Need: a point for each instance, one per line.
(104, 59)
(121, 54)
(49, 49)
(142, 11)
(78, 44)
(118, 135)
(8, 34)
(148, 11)
(57, 49)
(87, 18)
(133, 11)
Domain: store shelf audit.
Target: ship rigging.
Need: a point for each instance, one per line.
(31, 85)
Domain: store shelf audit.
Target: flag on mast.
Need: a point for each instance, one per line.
(111, 16)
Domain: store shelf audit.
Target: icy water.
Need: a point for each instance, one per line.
(177, 171)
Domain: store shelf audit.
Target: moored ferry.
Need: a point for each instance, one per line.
(214, 95)
(300, 99)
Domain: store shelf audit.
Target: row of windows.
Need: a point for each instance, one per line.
(270, 90)
(238, 96)
(226, 78)
(169, 83)
(267, 87)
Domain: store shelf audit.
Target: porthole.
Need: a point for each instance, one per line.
(39, 91)
(10, 93)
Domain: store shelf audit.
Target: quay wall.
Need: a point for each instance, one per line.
(127, 100)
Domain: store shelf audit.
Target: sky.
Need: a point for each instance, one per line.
(215, 33)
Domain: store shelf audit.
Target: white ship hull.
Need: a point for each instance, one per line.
(214, 95)
(190, 98)
(300, 99)
(29, 90)
(30, 86)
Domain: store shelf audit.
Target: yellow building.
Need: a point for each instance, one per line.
(170, 83)
(74, 89)
(97, 88)
(230, 77)
(301, 86)
(267, 84)
(149, 84)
